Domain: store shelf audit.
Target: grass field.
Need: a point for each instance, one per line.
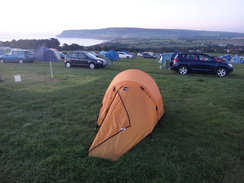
(47, 126)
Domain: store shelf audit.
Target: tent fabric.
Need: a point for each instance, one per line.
(164, 57)
(112, 55)
(46, 54)
(166, 65)
(236, 59)
(227, 58)
(131, 107)
(108, 61)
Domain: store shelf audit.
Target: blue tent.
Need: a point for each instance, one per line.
(112, 55)
(236, 59)
(226, 58)
(46, 54)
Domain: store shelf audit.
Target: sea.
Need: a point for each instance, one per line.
(80, 41)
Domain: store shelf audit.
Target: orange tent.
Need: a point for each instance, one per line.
(131, 107)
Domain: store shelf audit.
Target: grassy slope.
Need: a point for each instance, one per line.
(47, 126)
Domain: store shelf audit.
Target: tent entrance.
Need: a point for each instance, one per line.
(116, 120)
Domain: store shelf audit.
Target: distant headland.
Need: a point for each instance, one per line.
(142, 33)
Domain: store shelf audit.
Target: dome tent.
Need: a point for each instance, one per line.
(131, 107)
(111, 54)
(46, 54)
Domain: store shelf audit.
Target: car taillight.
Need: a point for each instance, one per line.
(175, 60)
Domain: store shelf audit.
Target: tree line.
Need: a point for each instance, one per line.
(36, 43)
(117, 46)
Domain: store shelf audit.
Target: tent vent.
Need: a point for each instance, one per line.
(114, 88)
(125, 88)
(142, 88)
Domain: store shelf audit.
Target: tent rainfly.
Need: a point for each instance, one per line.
(131, 107)
(46, 54)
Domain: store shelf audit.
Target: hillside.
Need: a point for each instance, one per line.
(140, 33)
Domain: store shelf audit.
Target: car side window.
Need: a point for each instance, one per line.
(192, 57)
(14, 53)
(73, 55)
(204, 58)
(82, 55)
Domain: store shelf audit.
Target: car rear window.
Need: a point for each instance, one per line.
(28, 53)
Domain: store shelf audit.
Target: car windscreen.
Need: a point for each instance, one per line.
(91, 56)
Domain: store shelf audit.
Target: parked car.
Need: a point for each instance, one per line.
(198, 62)
(124, 55)
(83, 58)
(147, 55)
(139, 54)
(19, 56)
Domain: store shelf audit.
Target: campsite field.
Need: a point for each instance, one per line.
(47, 126)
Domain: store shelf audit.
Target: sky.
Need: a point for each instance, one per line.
(45, 16)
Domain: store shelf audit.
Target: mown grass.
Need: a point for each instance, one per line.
(47, 126)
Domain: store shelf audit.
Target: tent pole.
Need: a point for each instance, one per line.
(51, 69)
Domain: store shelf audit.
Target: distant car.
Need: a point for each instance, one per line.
(147, 55)
(18, 56)
(83, 59)
(197, 62)
(139, 54)
(124, 55)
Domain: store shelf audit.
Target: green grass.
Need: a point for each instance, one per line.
(47, 126)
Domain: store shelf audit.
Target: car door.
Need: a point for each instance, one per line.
(207, 63)
(13, 57)
(74, 59)
(83, 59)
(193, 61)
(121, 55)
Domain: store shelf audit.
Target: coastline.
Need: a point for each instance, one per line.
(80, 41)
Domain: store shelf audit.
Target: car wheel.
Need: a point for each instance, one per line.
(21, 61)
(1, 61)
(127, 57)
(183, 70)
(68, 64)
(221, 72)
(92, 66)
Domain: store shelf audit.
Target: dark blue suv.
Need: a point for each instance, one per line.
(197, 62)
